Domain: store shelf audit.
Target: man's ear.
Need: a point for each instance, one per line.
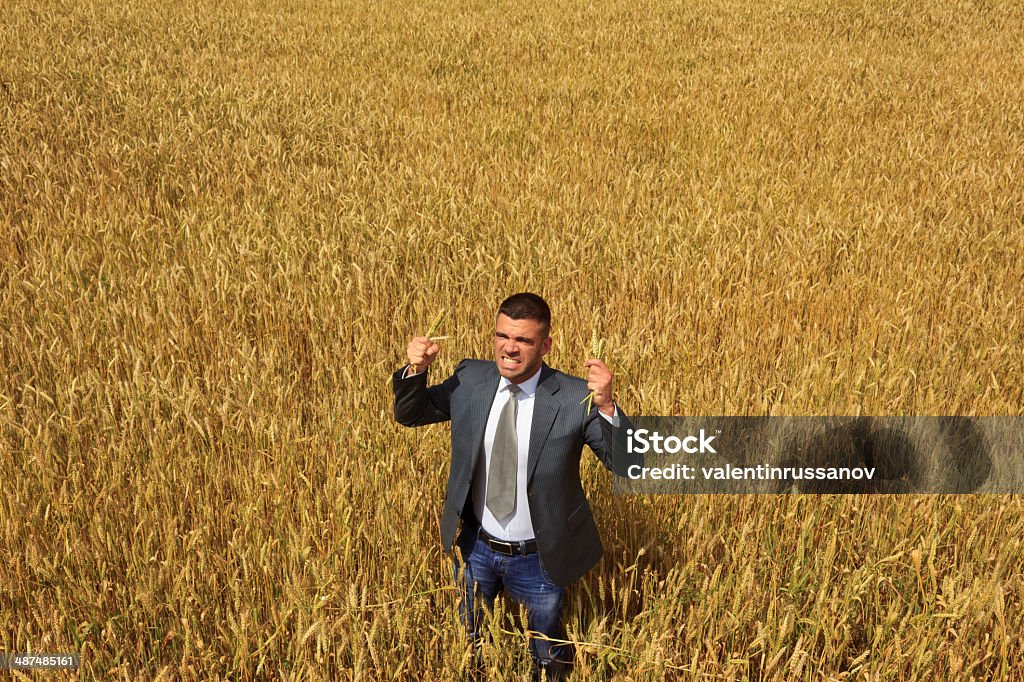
(545, 346)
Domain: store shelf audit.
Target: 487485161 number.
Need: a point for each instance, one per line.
(39, 661)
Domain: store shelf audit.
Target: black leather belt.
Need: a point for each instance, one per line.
(508, 547)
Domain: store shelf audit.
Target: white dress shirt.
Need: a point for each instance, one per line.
(518, 525)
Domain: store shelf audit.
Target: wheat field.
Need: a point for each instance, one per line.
(220, 223)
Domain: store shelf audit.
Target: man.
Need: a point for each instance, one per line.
(518, 430)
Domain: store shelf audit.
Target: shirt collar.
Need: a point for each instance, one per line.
(528, 387)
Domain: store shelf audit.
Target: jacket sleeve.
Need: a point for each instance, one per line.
(609, 442)
(418, 405)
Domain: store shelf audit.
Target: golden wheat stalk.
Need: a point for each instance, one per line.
(430, 332)
(596, 350)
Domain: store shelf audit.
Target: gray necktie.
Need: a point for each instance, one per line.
(501, 477)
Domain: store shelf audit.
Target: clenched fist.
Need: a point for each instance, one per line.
(421, 353)
(599, 380)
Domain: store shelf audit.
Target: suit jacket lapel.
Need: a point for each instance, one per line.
(481, 399)
(545, 408)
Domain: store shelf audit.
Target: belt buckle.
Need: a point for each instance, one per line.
(502, 547)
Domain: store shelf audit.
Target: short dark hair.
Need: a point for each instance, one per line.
(527, 306)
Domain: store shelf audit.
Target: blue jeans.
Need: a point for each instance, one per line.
(524, 580)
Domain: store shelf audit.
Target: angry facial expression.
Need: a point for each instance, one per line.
(519, 346)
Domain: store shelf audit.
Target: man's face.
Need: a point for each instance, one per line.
(519, 346)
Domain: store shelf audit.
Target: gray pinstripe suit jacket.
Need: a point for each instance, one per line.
(567, 538)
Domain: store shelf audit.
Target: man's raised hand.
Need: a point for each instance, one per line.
(421, 353)
(599, 381)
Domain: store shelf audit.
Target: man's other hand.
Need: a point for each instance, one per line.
(599, 380)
